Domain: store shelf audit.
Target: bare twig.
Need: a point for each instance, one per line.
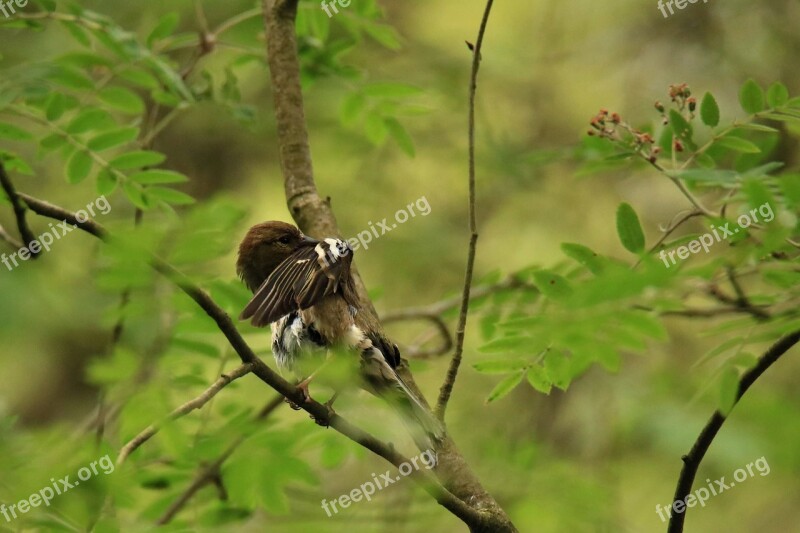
(691, 461)
(188, 407)
(6, 237)
(212, 472)
(455, 362)
(439, 325)
(19, 210)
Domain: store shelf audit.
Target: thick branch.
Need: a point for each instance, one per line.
(19, 210)
(188, 407)
(691, 462)
(455, 363)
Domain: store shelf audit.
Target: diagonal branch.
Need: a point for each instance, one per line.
(691, 462)
(455, 362)
(19, 210)
(476, 519)
(188, 407)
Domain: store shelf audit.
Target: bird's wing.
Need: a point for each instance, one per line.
(300, 281)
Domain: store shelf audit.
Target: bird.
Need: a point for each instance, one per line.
(304, 290)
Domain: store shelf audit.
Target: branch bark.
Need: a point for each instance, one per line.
(691, 461)
(19, 210)
(477, 520)
(315, 217)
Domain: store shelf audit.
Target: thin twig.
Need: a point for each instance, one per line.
(19, 211)
(212, 472)
(691, 461)
(439, 325)
(455, 362)
(196, 403)
(14, 243)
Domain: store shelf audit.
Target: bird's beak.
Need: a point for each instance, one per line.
(308, 240)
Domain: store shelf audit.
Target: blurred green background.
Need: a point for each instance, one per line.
(598, 457)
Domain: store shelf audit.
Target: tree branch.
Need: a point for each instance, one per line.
(477, 520)
(455, 363)
(188, 407)
(212, 472)
(19, 211)
(691, 462)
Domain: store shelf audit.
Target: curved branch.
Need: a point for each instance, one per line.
(438, 323)
(455, 362)
(196, 403)
(691, 462)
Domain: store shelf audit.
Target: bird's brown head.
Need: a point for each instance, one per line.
(266, 246)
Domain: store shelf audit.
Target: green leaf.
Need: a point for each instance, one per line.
(90, 119)
(122, 99)
(79, 166)
(728, 390)
(77, 33)
(140, 77)
(585, 256)
(777, 95)
(106, 182)
(390, 90)
(170, 196)
(113, 138)
(738, 144)
(751, 97)
(166, 25)
(551, 284)
(506, 386)
(351, 108)
(158, 176)
(500, 367)
(135, 195)
(137, 159)
(13, 133)
(629, 230)
(680, 126)
(709, 110)
(384, 34)
(401, 136)
(537, 377)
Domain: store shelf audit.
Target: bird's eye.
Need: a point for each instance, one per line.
(285, 239)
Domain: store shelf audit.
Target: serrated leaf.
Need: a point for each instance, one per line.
(137, 159)
(158, 177)
(113, 138)
(709, 110)
(751, 97)
(538, 379)
(629, 229)
(505, 386)
(738, 144)
(122, 99)
(170, 196)
(777, 95)
(79, 166)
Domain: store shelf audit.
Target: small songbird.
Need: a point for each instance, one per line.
(305, 290)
